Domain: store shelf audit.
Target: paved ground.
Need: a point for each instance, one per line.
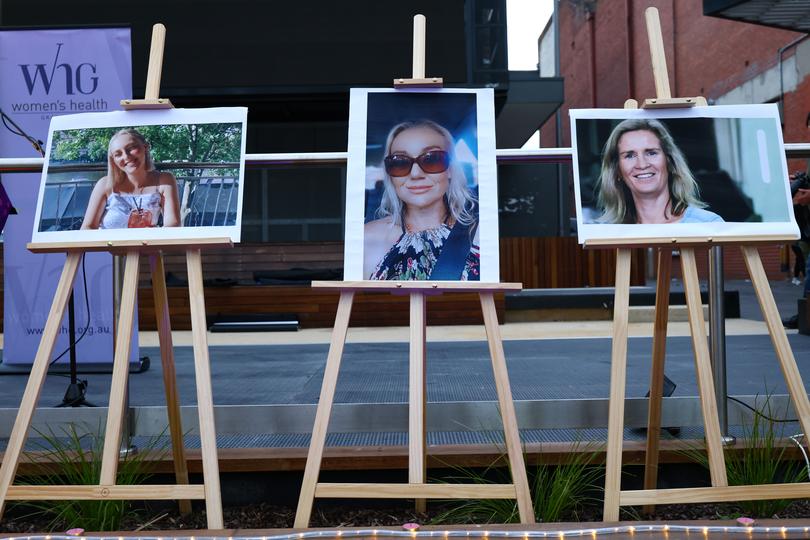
(542, 359)
(457, 371)
(566, 360)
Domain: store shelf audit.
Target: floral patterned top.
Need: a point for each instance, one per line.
(414, 255)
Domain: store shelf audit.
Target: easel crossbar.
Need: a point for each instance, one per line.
(90, 493)
(416, 488)
(414, 286)
(408, 491)
(715, 494)
(688, 241)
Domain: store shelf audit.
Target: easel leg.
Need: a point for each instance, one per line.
(708, 402)
(169, 375)
(787, 361)
(507, 405)
(618, 379)
(205, 398)
(324, 410)
(118, 387)
(39, 370)
(657, 372)
(416, 396)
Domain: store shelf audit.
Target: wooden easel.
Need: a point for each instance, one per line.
(720, 491)
(107, 488)
(416, 487)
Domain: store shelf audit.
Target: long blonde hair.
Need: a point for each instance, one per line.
(615, 198)
(114, 173)
(459, 201)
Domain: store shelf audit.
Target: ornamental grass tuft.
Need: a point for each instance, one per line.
(68, 457)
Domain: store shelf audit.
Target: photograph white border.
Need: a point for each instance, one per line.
(716, 230)
(114, 119)
(487, 189)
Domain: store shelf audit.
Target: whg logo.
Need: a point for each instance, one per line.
(80, 78)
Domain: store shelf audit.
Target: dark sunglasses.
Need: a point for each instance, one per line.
(432, 162)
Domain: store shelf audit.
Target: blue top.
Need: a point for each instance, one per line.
(699, 215)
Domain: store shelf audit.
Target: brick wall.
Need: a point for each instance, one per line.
(733, 264)
(605, 59)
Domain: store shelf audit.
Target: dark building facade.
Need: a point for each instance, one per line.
(292, 64)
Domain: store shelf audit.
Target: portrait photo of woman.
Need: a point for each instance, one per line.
(421, 186)
(143, 175)
(132, 194)
(427, 223)
(693, 172)
(646, 179)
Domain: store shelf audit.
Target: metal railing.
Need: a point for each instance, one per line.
(61, 209)
(205, 200)
(509, 155)
(208, 201)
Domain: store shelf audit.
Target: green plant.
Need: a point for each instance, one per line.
(558, 491)
(71, 458)
(563, 490)
(761, 459)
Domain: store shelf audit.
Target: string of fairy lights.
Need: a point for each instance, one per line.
(336, 534)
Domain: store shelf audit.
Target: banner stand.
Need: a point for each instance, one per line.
(417, 487)
(719, 491)
(107, 488)
(55, 71)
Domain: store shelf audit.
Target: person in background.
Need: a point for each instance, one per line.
(800, 189)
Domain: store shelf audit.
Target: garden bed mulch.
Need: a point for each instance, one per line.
(266, 516)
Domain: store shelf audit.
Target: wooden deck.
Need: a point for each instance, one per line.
(537, 263)
(314, 308)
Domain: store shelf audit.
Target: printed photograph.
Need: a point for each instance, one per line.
(426, 161)
(113, 176)
(691, 172)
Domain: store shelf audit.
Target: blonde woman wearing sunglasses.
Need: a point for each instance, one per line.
(427, 226)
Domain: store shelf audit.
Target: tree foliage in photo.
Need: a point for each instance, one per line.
(192, 143)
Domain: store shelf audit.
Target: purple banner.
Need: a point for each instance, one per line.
(44, 73)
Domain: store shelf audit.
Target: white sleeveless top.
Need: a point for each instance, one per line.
(120, 207)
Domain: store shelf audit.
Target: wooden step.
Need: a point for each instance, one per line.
(676, 313)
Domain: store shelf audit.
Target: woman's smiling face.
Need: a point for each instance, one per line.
(127, 153)
(642, 163)
(418, 188)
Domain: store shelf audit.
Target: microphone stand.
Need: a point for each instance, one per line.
(76, 391)
(6, 119)
(17, 130)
